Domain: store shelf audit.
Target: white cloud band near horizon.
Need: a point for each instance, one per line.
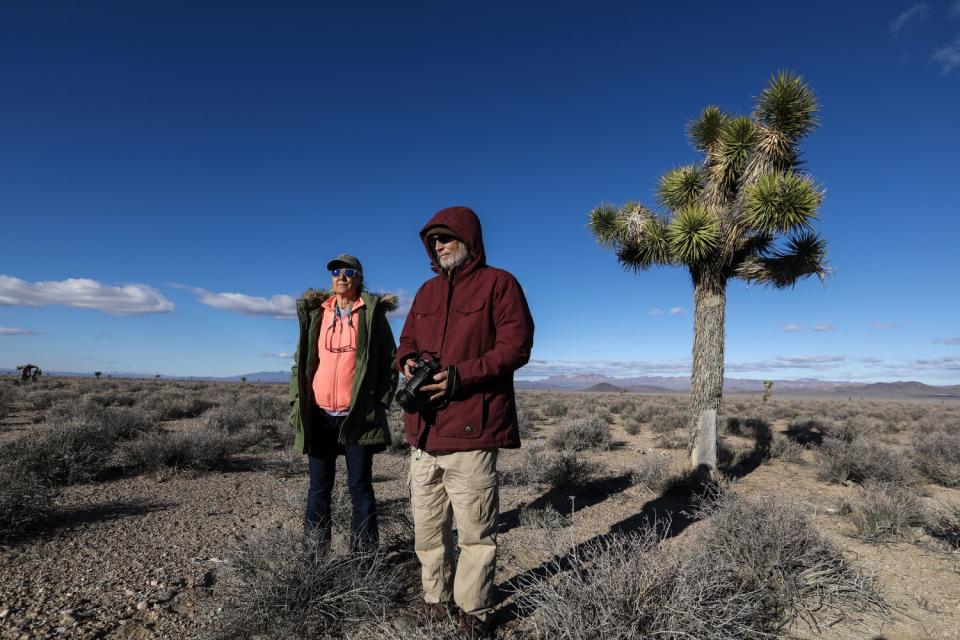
(280, 306)
(83, 293)
(14, 331)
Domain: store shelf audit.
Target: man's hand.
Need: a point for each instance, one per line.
(408, 368)
(440, 388)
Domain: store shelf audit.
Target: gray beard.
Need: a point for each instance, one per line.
(450, 263)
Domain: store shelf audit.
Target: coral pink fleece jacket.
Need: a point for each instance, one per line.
(478, 320)
(337, 353)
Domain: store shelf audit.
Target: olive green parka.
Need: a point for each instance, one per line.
(373, 385)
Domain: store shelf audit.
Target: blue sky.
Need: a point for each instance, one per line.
(156, 156)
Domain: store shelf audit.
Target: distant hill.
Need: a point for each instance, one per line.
(606, 387)
(901, 389)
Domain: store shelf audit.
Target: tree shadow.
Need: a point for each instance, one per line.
(69, 518)
(670, 514)
(585, 495)
(737, 467)
(808, 433)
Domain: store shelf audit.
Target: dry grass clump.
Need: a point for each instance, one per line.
(175, 404)
(544, 518)
(581, 433)
(672, 440)
(554, 407)
(284, 585)
(201, 449)
(937, 457)
(858, 459)
(556, 469)
(883, 511)
(787, 450)
(229, 419)
(6, 402)
(944, 524)
(24, 500)
(652, 471)
(757, 566)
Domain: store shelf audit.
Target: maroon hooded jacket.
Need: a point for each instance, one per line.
(478, 320)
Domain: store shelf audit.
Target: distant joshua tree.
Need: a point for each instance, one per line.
(243, 379)
(743, 211)
(156, 377)
(97, 374)
(29, 372)
(767, 389)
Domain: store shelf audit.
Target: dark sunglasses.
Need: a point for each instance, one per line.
(442, 238)
(347, 272)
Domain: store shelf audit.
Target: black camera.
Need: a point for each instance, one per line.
(409, 395)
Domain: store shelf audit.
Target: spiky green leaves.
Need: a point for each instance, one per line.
(805, 254)
(634, 232)
(705, 130)
(731, 153)
(681, 187)
(787, 106)
(694, 234)
(781, 202)
(605, 225)
(649, 247)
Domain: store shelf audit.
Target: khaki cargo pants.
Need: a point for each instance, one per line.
(461, 486)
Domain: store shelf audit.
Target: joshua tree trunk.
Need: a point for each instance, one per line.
(706, 384)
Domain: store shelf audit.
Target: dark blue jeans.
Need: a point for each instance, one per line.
(323, 466)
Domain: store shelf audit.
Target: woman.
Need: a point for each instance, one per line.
(341, 386)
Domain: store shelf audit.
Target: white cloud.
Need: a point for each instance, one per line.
(675, 311)
(823, 326)
(278, 306)
(614, 368)
(918, 11)
(948, 56)
(794, 328)
(12, 331)
(83, 293)
(656, 311)
(947, 341)
(883, 326)
(283, 355)
(403, 305)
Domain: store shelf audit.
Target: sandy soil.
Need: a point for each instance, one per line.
(136, 557)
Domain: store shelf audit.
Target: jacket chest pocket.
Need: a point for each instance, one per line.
(426, 315)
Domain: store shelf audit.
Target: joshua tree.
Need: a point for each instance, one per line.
(97, 374)
(29, 372)
(243, 379)
(767, 389)
(743, 211)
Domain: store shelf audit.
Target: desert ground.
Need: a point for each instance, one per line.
(171, 509)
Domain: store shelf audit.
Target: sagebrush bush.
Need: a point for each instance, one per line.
(859, 459)
(581, 433)
(545, 518)
(554, 469)
(170, 404)
(632, 425)
(884, 511)
(284, 585)
(937, 457)
(229, 419)
(6, 402)
(201, 449)
(25, 499)
(61, 454)
(787, 450)
(264, 406)
(944, 524)
(756, 567)
(672, 440)
(652, 471)
(554, 407)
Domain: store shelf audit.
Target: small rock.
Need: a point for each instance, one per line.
(4, 613)
(142, 605)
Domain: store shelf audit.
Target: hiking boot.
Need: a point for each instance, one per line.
(475, 628)
(432, 611)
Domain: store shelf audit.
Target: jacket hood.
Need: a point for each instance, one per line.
(313, 298)
(465, 223)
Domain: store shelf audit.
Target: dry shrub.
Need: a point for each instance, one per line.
(229, 419)
(883, 511)
(61, 454)
(264, 406)
(858, 460)
(757, 566)
(554, 469)
(652, 471)
(284, 585)
(632, 425)
(6, 402)
(672, 440)
(24, 500)
(787, 450)
(944, 524)
(554, 407)
(171, 404)
(581, 433)
(201, 449)
(937, 457)
(545, 518)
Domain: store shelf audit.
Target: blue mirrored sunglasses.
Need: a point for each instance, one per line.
(347, 272)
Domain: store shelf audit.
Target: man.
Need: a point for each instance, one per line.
(341, 385)
(475, 320)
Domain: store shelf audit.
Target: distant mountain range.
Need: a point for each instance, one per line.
(642, 384)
